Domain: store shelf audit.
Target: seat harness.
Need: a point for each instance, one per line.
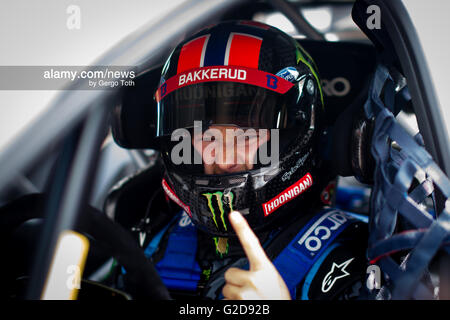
(179, 269)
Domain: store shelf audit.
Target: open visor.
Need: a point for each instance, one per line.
(247, 98)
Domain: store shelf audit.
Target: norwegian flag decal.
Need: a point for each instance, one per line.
(242, 50)
(230, 49)
(192, 54)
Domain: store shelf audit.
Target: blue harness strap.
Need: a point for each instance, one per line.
(178, 268)
(180, 271)
(394, 174)
(296, 260)
(314, 269)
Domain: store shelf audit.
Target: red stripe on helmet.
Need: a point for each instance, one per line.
(224, 73)
(192, 54)
(243, 50)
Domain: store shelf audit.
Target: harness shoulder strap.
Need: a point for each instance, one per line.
(180, 271)
(178, 268)
(306, 248)
(392, 199)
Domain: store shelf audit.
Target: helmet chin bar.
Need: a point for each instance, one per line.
(210, 198)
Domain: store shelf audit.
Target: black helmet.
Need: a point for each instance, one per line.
(250, 75)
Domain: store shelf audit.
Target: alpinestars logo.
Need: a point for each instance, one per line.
(336, 272)
(221, 201)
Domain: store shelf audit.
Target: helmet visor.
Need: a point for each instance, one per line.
(223, 103)
(258, 100)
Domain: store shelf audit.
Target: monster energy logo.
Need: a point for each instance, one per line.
(304, 57)
(221, 200)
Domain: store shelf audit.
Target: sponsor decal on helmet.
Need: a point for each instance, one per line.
(300, 162)
(288, 194)
(305, 58)
(290, 74)
(337, 272)
(221, 200)
(174, 197)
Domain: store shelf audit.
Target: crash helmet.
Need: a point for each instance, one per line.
(256, 78)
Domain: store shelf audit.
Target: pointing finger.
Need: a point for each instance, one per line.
(236, 276)
(250, 243)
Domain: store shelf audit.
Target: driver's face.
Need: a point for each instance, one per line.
(228, 149)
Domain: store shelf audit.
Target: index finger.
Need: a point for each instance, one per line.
(249, 241)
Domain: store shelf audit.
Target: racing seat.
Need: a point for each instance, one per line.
(345, 69)
(127, 202)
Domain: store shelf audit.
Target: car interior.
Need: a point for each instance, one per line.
(347, 66)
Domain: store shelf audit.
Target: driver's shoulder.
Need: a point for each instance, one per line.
(326, 257)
